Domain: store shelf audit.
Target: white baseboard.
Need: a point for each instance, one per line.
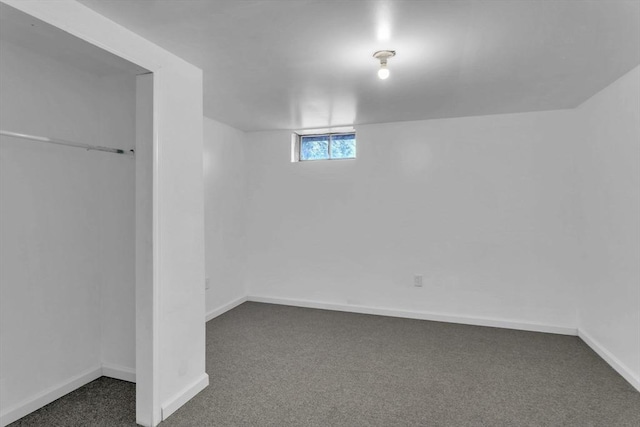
(421, 315)
(224, 308)
(118, 372)
(608, 357)
(47, 396)
(186, 394)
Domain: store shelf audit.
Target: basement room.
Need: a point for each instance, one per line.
(320, 213)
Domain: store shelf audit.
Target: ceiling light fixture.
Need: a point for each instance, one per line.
(383, 56)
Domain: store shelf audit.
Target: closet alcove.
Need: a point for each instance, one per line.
(75, 233)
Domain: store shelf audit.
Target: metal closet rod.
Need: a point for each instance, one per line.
(64, 142)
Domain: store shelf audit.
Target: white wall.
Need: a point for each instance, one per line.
(609, 150)
(179, 237)
(483, 207)
(170, 333)
(117, 221)
(225, 207)
(66, 227)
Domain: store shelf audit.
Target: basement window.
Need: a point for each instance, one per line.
(326, 146)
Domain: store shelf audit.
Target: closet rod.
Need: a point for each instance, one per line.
(63, 142)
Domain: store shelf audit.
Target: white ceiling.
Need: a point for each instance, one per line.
(24, 30)
(307, 63)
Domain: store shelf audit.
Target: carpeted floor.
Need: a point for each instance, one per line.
(273, 365)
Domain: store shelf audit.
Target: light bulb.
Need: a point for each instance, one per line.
(383, 72)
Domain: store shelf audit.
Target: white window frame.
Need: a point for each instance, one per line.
(296, 141)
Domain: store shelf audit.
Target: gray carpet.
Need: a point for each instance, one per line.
(273, 365)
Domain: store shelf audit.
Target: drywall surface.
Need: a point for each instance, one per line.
(609, 150)
(146, 364)
(179, 191)
(173, 345)
(117, 105)
(482, 207)
(225, 207)
(66, 227)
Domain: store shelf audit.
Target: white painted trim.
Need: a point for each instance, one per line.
(119, 372)
(224, 308)
(612, 360)
(47, 396)
(186, 394)
(421, 315)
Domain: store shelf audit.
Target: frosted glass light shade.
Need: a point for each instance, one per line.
(383, 72)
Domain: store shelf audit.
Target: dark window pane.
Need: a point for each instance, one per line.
(314, 147)
(343, 146)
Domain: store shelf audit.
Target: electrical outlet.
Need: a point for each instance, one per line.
(207, 283)
(417, 280)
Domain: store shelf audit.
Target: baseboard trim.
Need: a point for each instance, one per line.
(118, 372)
(224, 308)
(420, 315)
(47, 396)
(186, 394)
(612, 360)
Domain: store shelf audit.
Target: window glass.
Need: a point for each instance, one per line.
(324, 147)
(314, 147)
(343, 146)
